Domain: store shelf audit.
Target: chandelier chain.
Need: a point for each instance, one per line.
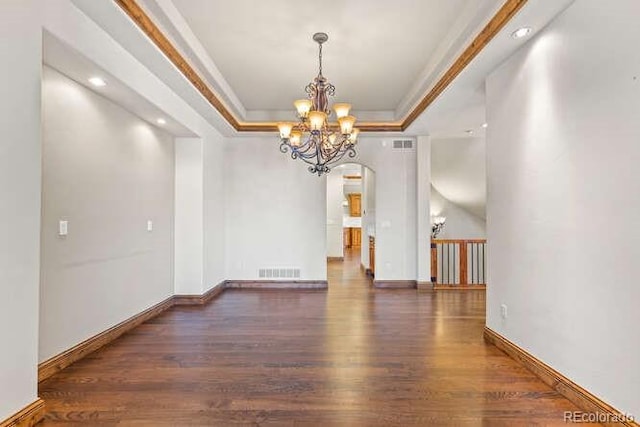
(320, 58)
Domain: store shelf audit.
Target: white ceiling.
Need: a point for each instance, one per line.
(380, 55)
(264, 48)
(69, 62)
(267, 45)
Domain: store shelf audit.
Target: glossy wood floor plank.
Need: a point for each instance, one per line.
(351, 356)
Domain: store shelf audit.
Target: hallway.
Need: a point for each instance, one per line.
(351, 356)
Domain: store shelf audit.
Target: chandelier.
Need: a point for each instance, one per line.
(312, 139)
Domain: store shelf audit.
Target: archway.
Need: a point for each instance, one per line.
(350, 228)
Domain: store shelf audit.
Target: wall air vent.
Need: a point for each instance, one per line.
(402, 144)
(279, 273)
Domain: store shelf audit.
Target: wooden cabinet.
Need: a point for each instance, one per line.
(352, 237)
(346, 237)
(372, 255)
(356, 237)
(355, 204)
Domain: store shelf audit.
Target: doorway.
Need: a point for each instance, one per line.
(351, 219)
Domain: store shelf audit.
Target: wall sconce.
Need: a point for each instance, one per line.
(437, 224)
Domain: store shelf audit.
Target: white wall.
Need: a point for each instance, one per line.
(458, 172)
(63, 20)
(107, 173)
(335, 211)
(189, 216)
(20, 54)
(368, 213)
(275, 212)
(563, 219)
(461, 224)
(214, 213)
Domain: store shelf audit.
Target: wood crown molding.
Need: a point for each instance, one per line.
(582, 398)
(144, 22)
(28, 416)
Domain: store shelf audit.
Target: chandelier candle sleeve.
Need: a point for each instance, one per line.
(303, 106)
(342, 109)
(354, 135)
(317, 120)
(295, 138)
(285, 129)
(312, 139)
(346, 124)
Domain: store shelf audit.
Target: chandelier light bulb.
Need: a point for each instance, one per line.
(332, 138)
(342, 109)
(303, 106)
(285, 129)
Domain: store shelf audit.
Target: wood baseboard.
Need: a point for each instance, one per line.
(276, 284)
(335, 258)
(200, 299)
(424, 286)
(57, 363)
(28, 416)
(395, 284)
(582, 398)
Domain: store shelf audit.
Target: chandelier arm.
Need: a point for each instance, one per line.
(351, 151)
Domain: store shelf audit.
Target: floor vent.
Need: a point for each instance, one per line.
(403, 144)
(279, 273)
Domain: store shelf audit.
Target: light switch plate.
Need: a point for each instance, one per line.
(63, 228)
(149, 225)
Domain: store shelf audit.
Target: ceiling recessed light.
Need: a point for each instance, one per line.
(161, 121)
(521, 32)
(97, 81)
(485, 125)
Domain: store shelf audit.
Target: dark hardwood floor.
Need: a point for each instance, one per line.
(351, 356)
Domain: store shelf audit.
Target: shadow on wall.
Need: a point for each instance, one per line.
(460, 224)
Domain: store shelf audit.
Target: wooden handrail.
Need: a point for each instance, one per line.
(459, 241)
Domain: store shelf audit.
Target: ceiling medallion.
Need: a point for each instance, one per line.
(312, 139)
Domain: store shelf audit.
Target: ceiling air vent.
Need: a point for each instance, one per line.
(403, 144)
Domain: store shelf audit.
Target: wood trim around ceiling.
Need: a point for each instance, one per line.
(499, 20)
(152, 31)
